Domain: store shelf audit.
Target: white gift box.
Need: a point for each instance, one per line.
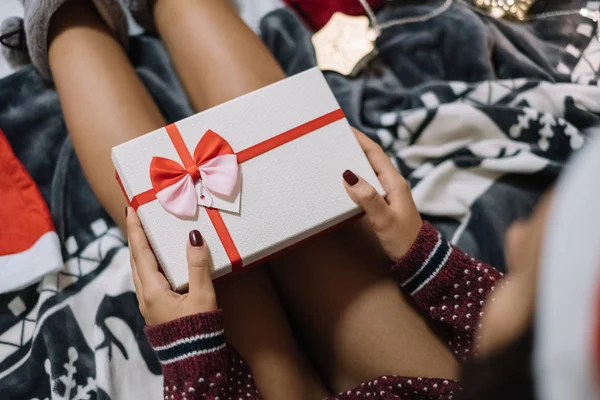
(292, 143)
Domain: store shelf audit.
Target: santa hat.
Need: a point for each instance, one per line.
(29, 245)
(567, 342)
(316, 13)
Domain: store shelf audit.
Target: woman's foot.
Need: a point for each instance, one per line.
(12, 41)
(36, 23)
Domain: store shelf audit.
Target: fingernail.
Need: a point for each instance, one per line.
(350, 178)
(195, 238)
(126, 209)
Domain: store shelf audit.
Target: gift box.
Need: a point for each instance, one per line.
(254, 175)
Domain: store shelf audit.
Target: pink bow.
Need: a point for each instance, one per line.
(213, 168)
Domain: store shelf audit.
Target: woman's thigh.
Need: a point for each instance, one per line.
(257, 325)
(355, 323)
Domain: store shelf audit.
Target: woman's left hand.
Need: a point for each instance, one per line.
(395, 218)
(158, 303)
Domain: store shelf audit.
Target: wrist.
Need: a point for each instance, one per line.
(194, 334)
(427, 247)
(191, 347)
(409, 237)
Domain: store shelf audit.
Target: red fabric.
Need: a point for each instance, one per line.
(182, 150)
(199, 377)
(288, 136)
(142, 198)
(453, 295)
(160, 335)
(316, 13)
(211, 146)
(23, 212)
(165, 172)
(226, 240)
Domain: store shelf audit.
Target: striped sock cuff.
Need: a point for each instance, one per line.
(190, 347)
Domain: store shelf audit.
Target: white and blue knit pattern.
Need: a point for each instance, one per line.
(190, 347)
(430, 267)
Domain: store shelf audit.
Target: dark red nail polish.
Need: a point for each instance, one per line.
(350, 178)
(126, 209)
(195, 238)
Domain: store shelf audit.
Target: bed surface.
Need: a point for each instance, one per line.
(507, 112)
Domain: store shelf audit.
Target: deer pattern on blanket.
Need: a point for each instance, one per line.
(79, 335)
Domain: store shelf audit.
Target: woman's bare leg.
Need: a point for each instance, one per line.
(103, 101)
(257, 326)
(105, 104)
(355, 323)
(217, 57)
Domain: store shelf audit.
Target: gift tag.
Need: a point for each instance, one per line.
(345, 44)
(220, 202)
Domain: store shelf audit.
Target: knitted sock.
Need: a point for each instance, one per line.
(142, 13)
(12, 39)
(38, 14)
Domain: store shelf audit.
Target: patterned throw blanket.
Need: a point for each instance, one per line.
(480, 115)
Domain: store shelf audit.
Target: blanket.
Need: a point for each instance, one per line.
(480, 119)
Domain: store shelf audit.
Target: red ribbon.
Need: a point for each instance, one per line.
(165, 172)
(191, 163)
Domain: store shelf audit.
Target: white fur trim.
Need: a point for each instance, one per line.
(567, 313)
(22, 269)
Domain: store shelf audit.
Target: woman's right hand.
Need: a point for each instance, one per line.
(158, 303)
(395, 218)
